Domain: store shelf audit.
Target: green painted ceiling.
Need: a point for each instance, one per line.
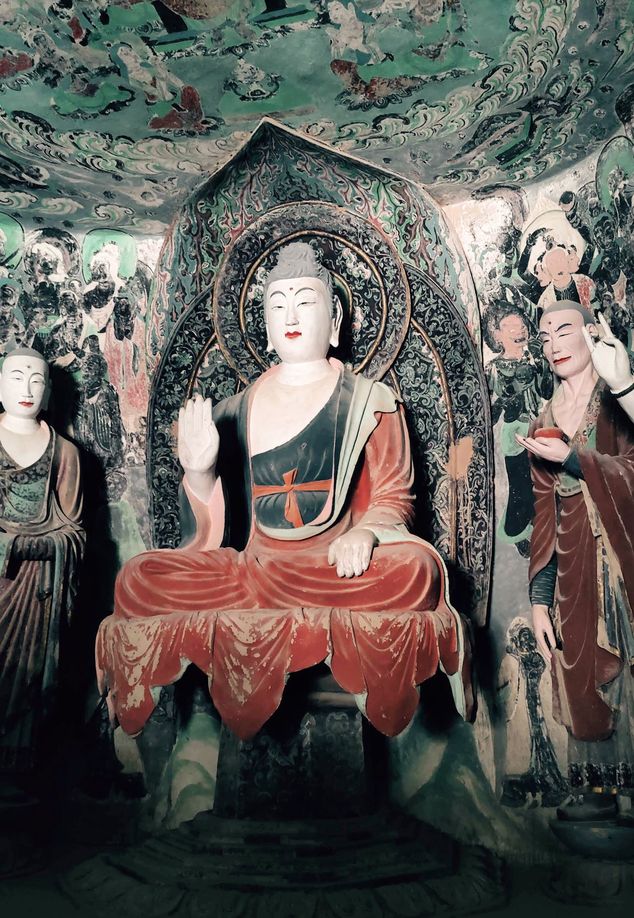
(111, 111)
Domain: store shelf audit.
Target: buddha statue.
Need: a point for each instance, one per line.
(41, 547)
(300, 488)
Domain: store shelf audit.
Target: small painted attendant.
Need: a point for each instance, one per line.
(519, 379)
(582, 559)
(41, 546)
(305, 480)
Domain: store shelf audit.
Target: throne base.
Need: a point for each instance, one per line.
(317, 757)
(387, 864)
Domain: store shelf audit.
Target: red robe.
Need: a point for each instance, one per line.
(248, 617)
(592, 654)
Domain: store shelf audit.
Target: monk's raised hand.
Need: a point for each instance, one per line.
(609, 357)
(352, 552)
(198, 439)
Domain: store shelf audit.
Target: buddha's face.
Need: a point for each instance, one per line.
(23, 385)
(299, 320)
(564, 346)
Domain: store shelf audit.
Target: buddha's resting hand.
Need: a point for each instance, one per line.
(198, 438)
(352, 552)
(610, 357)
(543, 629)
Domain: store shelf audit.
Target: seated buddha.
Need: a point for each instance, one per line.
(300, 488)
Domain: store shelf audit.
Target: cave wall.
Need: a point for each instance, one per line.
(85, 299)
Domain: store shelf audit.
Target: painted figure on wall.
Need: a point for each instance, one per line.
(115, 300)
(531, 765)
(305, 478)
(41, 548)
(581, 569)
(519, 379)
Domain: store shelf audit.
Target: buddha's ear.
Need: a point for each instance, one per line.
(337, 316)
(269, 345)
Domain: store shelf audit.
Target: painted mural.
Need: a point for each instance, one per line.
(81, 299)
(111, 110)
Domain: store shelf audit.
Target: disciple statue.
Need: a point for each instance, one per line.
(582, 558)
(300, 489)
(41, 546)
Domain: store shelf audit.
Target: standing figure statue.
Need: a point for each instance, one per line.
(305, 480)
(582, 560)
(41, 547)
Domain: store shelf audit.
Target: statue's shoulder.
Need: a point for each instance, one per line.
(377, 395)
(63, 445)
(228, 409)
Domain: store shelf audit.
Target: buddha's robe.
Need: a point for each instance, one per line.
(278, 512)
(584, 528)
(41, 546)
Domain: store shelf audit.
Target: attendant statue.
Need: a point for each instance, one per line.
(582, 558)
(300, 488)
(41, 546)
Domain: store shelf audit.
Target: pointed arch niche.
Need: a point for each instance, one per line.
(411, 320)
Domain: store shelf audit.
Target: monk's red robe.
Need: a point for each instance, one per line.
(594, 594)
(249, 617)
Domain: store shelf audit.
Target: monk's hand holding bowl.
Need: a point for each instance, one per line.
(553, 449)
(352, 552)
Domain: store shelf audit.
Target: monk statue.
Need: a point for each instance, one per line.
(41, 547)
(300, 489)
(582, 555)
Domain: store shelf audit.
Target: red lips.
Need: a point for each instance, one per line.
(26, 404)
(561, 359)
(293, 334)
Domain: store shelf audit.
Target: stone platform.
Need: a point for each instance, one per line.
(388, 864)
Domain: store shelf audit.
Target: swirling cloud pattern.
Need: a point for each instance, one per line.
(119, 115)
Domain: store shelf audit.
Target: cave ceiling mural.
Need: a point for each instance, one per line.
(112, 112)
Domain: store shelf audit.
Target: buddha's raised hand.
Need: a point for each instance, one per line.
(198, 438)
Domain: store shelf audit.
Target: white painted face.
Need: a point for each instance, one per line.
(299, 320)
(564, 346)
(23, 385)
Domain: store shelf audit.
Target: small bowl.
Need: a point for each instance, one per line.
(550, 433)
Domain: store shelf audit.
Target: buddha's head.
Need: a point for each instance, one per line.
(564, 346)
(302, 315)
(24, 383)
